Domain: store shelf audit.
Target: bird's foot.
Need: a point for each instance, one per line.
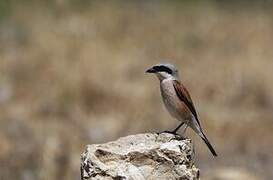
(176, 135)
(169, 132)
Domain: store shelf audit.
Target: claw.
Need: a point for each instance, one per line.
(176, 135)
(169, 132)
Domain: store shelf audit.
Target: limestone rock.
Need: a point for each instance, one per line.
(140, 157)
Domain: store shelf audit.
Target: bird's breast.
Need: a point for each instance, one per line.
(171, 101)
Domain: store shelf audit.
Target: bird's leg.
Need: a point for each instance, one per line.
(175, 130)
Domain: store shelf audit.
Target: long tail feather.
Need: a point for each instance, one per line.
(205, 139)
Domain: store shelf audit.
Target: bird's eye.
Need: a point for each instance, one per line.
(165, 69)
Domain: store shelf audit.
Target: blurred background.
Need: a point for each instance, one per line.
(72, 74)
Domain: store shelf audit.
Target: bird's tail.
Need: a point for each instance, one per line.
(205, 139)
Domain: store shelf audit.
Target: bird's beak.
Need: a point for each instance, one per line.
(151, 70)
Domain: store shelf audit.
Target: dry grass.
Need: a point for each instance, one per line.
(75, 76)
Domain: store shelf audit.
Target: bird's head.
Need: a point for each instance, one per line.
(164, 71)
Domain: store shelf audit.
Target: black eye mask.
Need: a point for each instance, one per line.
(162, 69)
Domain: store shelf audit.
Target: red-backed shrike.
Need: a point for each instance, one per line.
(177, 100)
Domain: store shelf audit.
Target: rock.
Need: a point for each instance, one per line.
(140, 157)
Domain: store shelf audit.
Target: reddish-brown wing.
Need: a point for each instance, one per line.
(184, 96)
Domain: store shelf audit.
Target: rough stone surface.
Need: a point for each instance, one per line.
(139, 157)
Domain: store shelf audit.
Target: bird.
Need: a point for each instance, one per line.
(178, 101)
